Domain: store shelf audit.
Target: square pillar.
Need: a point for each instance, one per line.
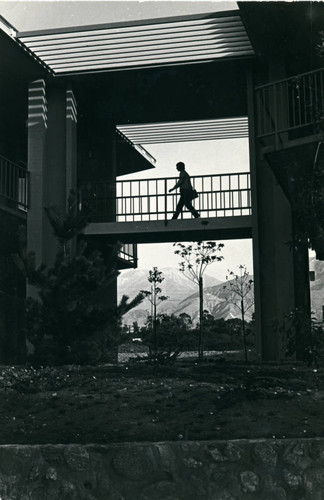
(52, 143)
(37, 130)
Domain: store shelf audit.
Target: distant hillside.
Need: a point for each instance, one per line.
(215, 302)
(317, 287)
(183, 295)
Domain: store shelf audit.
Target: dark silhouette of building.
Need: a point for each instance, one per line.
(78, 105)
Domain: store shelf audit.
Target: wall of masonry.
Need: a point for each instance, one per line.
(209, 470)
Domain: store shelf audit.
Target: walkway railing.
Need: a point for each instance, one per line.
(13, 184)
(221, 195)
(292, 104)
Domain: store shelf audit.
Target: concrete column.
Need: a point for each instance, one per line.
(272, 254)
(71, 141)
(51, 161)
(37, 131)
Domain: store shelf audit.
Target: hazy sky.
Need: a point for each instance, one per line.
(208, 157)
(31, 15)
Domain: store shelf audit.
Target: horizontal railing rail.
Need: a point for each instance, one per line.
(14, 184)
(149, 199)
(290, 105)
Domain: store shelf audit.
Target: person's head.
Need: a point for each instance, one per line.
(180, 166)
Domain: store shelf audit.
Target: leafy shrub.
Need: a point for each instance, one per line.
(302, 336)
(173, 335)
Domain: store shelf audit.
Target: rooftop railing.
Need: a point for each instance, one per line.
(13, 184)
(220, 195)
(294, 104)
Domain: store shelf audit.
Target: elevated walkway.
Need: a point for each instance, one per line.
(140, 211)
(222, 228)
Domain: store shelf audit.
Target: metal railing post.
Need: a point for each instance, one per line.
(165, 202)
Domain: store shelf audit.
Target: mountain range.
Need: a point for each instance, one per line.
(184, 298)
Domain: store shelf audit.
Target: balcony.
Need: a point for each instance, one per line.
(290, 112)
(14, 187)
(127, 256)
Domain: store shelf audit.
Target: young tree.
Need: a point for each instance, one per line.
(69, 224)
(72, 320)
(195, 260)
(239, 292)
(154, 296)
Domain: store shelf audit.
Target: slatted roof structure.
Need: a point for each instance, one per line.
(140, 44)
(202, 130)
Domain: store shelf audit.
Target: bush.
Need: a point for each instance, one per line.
(173, 335)
(302, 336)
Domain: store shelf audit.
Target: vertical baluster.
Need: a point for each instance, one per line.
(321, 92)
(216, 203)
(299, 104)
(27, 190)
(131, 201)
(287, 107)
(1, 177)
(124, 205)
(316, 98)
(6, 179)
(148, 199)
(11, 180)
(207, 201)
(121, 197)
(12, 172)
(308, 98)
(203, 196)
(165, 199)
(157, 199)
(239, 204)
(259, 112)
(274, 90)
(292, 103)
(263, 114)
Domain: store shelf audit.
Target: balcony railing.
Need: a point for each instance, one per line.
(128, 254)
(221, 195)
(13, 184)
(294, 105)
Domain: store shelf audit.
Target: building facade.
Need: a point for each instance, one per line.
(78, 106)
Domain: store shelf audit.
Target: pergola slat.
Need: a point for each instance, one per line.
(149, 49)
(162, 42)
(202, 130)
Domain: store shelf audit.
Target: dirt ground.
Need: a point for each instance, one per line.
(215, 399)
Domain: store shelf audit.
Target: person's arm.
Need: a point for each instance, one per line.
(179, 183)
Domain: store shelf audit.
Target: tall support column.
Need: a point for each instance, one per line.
(51, 161)
(37, 129)
(272, 254)
(71, 141)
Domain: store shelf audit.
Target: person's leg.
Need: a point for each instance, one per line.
(179, 207)
(189, 206)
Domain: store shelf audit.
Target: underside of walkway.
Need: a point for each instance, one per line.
(222, 228)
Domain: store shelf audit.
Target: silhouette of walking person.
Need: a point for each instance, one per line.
(185, 186)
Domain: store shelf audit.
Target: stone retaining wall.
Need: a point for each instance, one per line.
(210, 470)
